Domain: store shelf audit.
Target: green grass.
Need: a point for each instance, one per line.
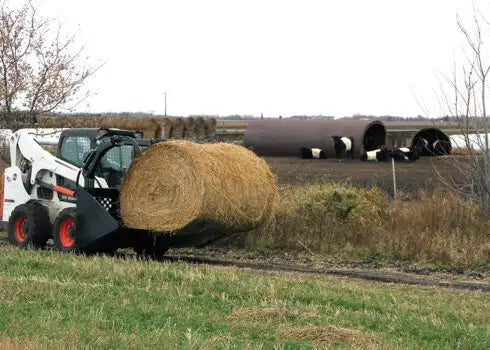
(51, 300)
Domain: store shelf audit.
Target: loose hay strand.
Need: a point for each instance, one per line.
(328, 335)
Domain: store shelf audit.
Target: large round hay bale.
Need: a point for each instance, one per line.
(177, 131)
(109, 122)
(129, 123)
(210, 127)
(165, 128)
(189, 128)
(200, 128)
(148, 126)
(173, 184)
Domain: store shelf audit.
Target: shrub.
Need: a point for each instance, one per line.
(342, 220)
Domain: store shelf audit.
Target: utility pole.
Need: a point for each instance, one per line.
(165, 93)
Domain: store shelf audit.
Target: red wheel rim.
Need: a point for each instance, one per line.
(66, 232)
(20, 235)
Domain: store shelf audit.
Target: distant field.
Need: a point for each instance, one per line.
(51, 300)
(232, 124)
(242, 124)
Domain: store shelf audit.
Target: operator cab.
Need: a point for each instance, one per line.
(75, 145)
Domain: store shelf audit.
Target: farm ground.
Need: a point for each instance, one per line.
(51, 300)
(423, 174)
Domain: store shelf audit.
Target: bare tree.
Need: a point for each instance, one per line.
(470, 109)
(41, 68)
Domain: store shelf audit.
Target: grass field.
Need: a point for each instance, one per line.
(50, 300)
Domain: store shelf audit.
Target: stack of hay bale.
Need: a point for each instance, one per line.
(176, 183)
(162, 127)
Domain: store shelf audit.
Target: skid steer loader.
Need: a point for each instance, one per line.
(73, 196)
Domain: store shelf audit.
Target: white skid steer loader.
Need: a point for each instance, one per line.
(73, 196)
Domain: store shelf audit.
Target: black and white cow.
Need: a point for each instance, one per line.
(344, 146)
(405, 154)
(312, 153)
(382, 154)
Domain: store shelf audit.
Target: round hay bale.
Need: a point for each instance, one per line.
(165, 128)
(108, 122)
(148, 126)
(173, 184)
(177, 131)
(210, 128)
(129, 123)
(200, 128)
(189, 128)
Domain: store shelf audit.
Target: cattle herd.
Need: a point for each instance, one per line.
(344, 147)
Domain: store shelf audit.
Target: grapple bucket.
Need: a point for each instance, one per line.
(97, 214)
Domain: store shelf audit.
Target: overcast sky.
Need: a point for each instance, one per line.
(266, 56)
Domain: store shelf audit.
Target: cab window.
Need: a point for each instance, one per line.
(114, 164)
(74, 148)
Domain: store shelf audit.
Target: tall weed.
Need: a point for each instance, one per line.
(347, 221)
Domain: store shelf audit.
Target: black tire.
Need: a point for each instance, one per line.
(29, 225)
(65, 231)
(152, 247)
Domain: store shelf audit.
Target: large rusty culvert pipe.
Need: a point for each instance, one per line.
(433, 142)
(285, 137)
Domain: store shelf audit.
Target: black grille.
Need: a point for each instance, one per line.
(44, 193)
(108, 199)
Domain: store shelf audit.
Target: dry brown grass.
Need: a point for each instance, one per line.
(233, 123)
(438, 227)
(328, 335)
(174, 183)
(245, 317)
(26, 345)
(69, 122)
(464, 152)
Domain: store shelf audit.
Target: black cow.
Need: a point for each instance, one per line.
(405, 154)
(344, 146)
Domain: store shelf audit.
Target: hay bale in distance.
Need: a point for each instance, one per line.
(200, 128)
(148, 126)
(164, 128)
(173, 184)
(177, 131)
(210, 128)
(189, 128)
